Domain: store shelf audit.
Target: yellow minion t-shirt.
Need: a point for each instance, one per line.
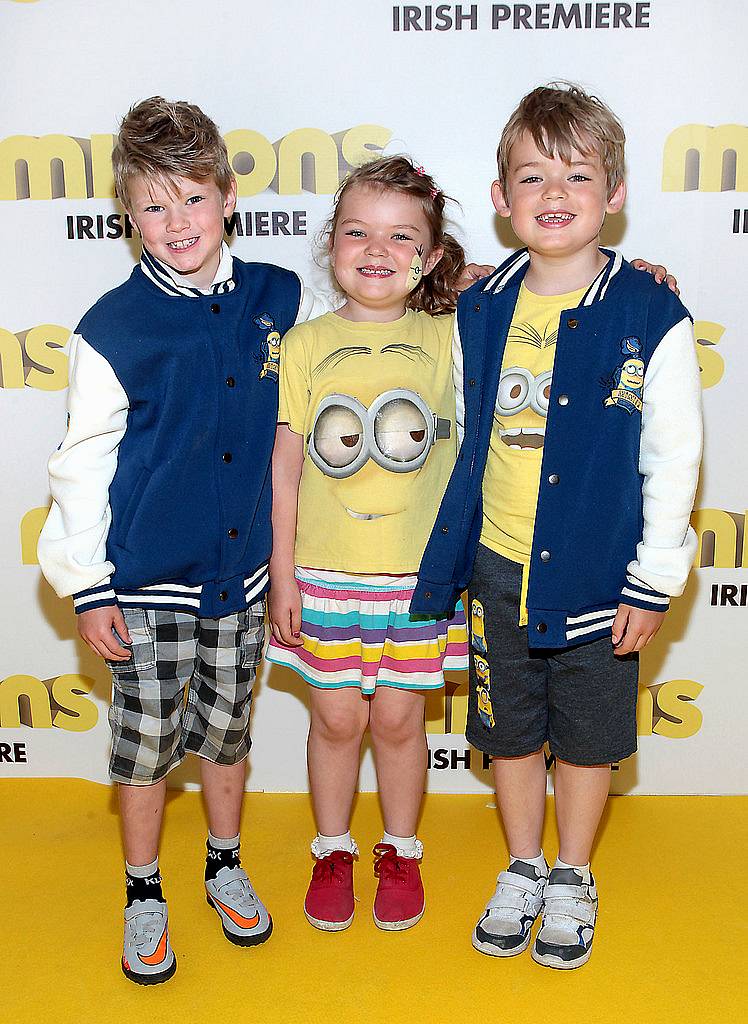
(512, 477)
(375, 406)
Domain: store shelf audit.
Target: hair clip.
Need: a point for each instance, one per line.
(433, 193)
(420, 171)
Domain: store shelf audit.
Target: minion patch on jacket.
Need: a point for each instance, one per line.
(478, 628)
(627, 383)
(483, 689)
(271, 346)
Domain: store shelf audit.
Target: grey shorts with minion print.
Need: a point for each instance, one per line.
(580, 700)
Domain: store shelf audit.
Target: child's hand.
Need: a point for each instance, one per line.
(473, 272)
(633, 628)
(659, 273)
(285, 612)
(98, 626)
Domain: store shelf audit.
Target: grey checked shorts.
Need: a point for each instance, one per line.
(187, 687)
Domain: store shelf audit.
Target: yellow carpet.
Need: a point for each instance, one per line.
(670, 945)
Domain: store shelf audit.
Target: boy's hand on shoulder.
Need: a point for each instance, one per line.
(284, 609)
(659, 273)
(633, 628)
(473, 272)
(98, 626)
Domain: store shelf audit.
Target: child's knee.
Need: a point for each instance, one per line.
(339, 723)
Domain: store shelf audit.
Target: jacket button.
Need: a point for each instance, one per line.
(427, 595)
(545, 556)
(572, 324)
(230, 382)
(445, 529)
(477, 309)
(227, 456)
(471, 382)
(563, 399)
(233, 533)
(541, 627)
(215, 308)
(553, 478)
(223, 596)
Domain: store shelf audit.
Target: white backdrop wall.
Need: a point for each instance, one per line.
(334, 80)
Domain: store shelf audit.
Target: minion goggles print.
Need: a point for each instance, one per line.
(397, 431)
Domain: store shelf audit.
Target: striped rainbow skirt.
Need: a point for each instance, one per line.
(358, 631)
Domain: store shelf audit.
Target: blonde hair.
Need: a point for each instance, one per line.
(161, 141)
(436, 293)
(561, 117)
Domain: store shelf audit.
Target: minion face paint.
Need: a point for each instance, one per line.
(415, 274)
(478, 628)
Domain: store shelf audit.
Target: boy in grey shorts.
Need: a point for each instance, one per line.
(567, 513)
(160, 521)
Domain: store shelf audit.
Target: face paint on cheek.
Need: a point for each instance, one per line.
(416, 269)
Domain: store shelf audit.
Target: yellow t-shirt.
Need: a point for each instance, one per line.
(375, 406)
(512, 477)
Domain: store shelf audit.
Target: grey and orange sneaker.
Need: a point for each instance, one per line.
(147, 956)
(243, 915)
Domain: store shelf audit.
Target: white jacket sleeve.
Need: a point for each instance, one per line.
(311, 306)
(72, 545)
(669, 458)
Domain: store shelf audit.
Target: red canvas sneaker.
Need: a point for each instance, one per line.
(399, 903)
(329, 898)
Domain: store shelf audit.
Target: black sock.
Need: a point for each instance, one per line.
(217, 859)
(143, 888)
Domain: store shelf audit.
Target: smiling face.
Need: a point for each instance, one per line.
(182, 226)
(381, 247)
(557, 209)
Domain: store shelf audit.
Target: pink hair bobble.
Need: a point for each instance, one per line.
(419, 169)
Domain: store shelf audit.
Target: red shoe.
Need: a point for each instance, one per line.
(329, 899)
(399, 903)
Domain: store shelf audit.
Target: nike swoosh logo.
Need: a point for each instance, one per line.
(158, 955)
(241, 922)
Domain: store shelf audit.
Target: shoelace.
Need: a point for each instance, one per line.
(389, 866)
(325, 866)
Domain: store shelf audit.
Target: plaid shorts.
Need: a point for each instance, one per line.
(187, 687)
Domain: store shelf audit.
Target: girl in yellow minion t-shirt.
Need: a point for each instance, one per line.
(365, 445)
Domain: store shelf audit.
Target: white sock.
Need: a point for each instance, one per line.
(142, 870)
(583, 869)
(406, 846)
(322, 845)
(222, 844)
(537, 862)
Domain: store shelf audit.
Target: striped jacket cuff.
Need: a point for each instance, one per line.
(95, 597)
(639, 595)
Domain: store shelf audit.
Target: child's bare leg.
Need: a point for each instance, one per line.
(520, 793)
(223, 792)
(141, 811)
(580, 795)
(400, 752)
(339, 720)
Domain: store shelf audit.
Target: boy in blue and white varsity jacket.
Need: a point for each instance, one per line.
(567, 513)
(160, 521)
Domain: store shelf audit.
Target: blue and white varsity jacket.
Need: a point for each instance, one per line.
(161, 488)
(620, 462)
